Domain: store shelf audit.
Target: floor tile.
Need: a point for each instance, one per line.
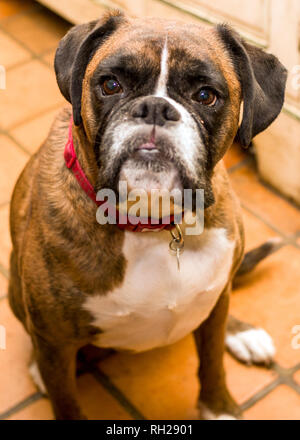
(11, 52)
(269, 297)
(160, 383)
(5, 241)
(3, 285)
(270, 207)
(244, 381)
(12, 162)
(97, 403)
(11, 7)
(15, 382)
(283, 403)
(256, 231)
(39, 30)
(170, 390)
(234, 155)
(39, 410)
(49, 57)
(31, 90)
(33, 133)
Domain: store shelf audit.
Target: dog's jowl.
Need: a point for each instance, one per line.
(153, 104)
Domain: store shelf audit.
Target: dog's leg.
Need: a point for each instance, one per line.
(57, 366)
(249, 344)
(215, 401)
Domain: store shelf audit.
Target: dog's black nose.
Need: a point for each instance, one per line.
(155, 111)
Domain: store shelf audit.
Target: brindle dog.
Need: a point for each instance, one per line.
(75, 282)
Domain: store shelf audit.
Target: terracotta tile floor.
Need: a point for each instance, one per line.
(162, 383)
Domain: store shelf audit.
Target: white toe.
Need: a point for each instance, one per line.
(207, 414)
(253, 345)
(225, 417)
(237, 347)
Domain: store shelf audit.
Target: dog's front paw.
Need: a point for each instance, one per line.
(251, 346)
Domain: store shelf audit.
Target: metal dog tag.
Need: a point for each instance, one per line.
(176, 245)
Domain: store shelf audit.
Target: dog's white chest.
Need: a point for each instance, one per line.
(156, 304)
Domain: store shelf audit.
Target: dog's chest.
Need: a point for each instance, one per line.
(156, 304)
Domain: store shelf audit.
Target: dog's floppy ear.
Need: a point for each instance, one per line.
(74, 53)
(263, 80)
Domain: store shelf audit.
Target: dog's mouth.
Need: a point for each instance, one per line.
(150, 166)
(149, 148)
(150, 170)
(153, 188)
(147, 161)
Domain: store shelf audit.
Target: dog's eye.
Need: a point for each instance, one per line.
(206, 96)
(111, 86)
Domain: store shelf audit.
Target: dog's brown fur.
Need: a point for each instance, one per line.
(61, 255)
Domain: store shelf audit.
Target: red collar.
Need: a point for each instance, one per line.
(73, 164)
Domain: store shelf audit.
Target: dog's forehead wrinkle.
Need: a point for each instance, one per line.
(125, 61)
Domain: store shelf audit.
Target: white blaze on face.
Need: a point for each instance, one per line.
(161, 87)
(185, 132)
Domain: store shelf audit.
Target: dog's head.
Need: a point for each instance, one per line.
(160, 100)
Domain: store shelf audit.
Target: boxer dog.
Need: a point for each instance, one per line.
(156, 104)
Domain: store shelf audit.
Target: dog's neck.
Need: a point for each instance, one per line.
(84, 152)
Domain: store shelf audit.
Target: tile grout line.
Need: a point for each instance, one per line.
(289, 240)
(19, 42)
(295, 368)
(239, 165)
(21, 405)
(20, 146)
(251, 160)
(285, 377)
(106, 382)
(34, 55)
(7, 132)
(259, 395)
(19, 64)
(277, 193)
(35, 116)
